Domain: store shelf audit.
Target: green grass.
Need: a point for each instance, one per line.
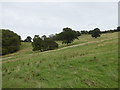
(93, 65)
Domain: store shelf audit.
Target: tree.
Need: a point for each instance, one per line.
(96, 33)
(10, 42)
(28, 39)
(118, 28)
(78, 33)
(90, 32)
(68, 35)
(51, 35)
(50, 44)
(84, 32)
(43, 45)
(44, 37)
(37, 43)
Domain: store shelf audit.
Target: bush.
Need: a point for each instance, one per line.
(50, 44)
(10, 42)
(37, 43)
(43, 45)
(95, 33)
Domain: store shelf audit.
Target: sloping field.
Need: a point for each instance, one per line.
(87, 63)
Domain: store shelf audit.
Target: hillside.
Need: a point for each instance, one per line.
(86, 63)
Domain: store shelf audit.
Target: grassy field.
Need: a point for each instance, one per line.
(90, 65)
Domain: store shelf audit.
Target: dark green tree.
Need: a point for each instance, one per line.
(50, 44)
(68, 35)
(10, 42)
(37, 43)
(96, 33)
(43, 44)
(84, 32)
(28, 39)
(44, 37)
(78, 33)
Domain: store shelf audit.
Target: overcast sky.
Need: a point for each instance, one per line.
(28, 19)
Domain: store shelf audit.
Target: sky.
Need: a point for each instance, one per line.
(45, 18)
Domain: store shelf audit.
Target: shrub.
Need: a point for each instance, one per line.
(96, 33)
(37, 43)
(50, 44)
(43, 45)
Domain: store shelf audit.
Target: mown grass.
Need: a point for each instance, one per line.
(92, 65)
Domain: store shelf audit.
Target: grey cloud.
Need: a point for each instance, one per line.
(47, 18)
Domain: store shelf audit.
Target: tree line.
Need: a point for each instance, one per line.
(45, 43)
(101, 32)
(11, 41)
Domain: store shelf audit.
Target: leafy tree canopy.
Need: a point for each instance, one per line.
(68, 35)
(43, 44)
(10, 41)
(28, 39)
(96, 33)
